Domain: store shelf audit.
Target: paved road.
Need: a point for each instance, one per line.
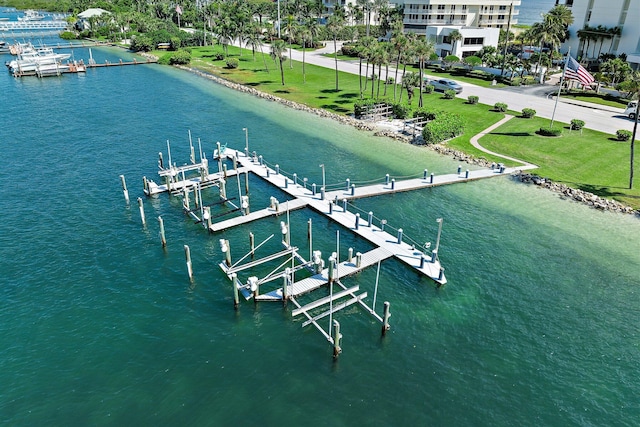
(604, 119)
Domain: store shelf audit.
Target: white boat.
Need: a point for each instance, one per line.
(31, 15)
(32, 61)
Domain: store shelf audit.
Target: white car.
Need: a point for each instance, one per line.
(631, 110)
(445, 84)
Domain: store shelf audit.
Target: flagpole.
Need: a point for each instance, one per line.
(564, 70)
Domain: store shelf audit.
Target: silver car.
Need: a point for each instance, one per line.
(445, 84)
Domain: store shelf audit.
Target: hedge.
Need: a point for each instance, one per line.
(500, 106)
(577, 124)
(623, 135)
(473, 99)
(550, 132)
(528, 113)
(446, 125)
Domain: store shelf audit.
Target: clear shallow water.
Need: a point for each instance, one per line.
(538, 324)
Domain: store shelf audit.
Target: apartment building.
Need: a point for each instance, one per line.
(624, 14)
(419, 14)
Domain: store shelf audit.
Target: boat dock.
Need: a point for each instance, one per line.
(387, 241)
(33, 25)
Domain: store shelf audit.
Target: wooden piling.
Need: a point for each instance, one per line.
(162, 236)
(234, 281)
(252, 242)
(187, 254)
(387, 314)
(124, 188)
(337, 338)
(141, 207)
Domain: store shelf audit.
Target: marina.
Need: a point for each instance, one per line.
(101, 325)
(336, 205)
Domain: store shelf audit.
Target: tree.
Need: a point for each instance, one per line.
(617, 69)
(254, 39)
(291, 28)
(410, 81)
(278, 48)
(399, 42)
(334, 26)
(305, 36)
(634, 86)
(422, 49)
(454, 36)
(550, 30)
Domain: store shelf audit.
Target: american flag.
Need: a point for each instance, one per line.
(574, 71)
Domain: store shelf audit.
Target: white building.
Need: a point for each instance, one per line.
(473, 39)
(83, 22)
(418, 14)
(624, 14)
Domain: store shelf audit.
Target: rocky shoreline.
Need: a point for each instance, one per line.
(574, 194)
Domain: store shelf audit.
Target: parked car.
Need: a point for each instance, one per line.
(445, 84)
(631, 110)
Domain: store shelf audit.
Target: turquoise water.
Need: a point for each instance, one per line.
(99, 325)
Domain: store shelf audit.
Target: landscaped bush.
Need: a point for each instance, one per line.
(528, 113)
(232, 63)
(68, 35)
(427, 113)
(577, 124)
(401, 111)
(515, 81)
(449, 94)
(550, 132)
(529, 80)
(350, 50)
(428, 88)
(473, 99)
(447, 125)
(500, 106)
(218, 56)
(623, 135)
(481, 74)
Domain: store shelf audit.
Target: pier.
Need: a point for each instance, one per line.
(335, 205)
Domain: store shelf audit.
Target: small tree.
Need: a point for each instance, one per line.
(577, 124)
(528, 113)
(410, 82)
(500, 106)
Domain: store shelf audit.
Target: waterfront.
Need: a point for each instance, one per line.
(538, 324)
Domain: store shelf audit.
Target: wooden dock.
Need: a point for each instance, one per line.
(264, 213)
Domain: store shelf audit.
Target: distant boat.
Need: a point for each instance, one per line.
(31, 15)
(40, 61)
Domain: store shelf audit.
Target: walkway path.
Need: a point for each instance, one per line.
(475, 143)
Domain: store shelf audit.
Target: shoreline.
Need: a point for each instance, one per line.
(577, 195)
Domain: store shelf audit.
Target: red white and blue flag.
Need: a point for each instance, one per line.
(574, 71)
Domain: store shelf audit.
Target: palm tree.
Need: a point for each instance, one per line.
(633, 84)
(305, 36)
(334, 26)
(278, 48)
(410, 81)
(423, 49)
(291, 28)
(454, 36)
(254, 39)
(399, 42)
(547, 31)
(366, 45)
(408, 55)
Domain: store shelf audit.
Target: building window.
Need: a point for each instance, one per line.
(464, 7)
(446, 39)
(440, 7)
(500, 17)
(453, 7)
(502, 8)
(471, 41)
(440, 17)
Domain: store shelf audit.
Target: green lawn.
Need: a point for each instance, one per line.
(601, 99)
(590, 160)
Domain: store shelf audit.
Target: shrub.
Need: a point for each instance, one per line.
(141, 43)
(528, 113)
(68, 35)
(219, 56)
(447, 125)
(175, 43)
(550, 132)
(401, 111)
(426, 113)
(577, 124)
(515, 81)
(529, 80)
(500, 106)
(232, 63)
(428, 88)
(180, 57)
(350, 50)
(390, 80)
(473, 99)
(623, 135)
(449, 94)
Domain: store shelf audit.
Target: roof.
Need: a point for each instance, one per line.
(92, 12)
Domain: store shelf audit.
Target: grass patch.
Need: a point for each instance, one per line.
(589, 160)
(595, 98)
